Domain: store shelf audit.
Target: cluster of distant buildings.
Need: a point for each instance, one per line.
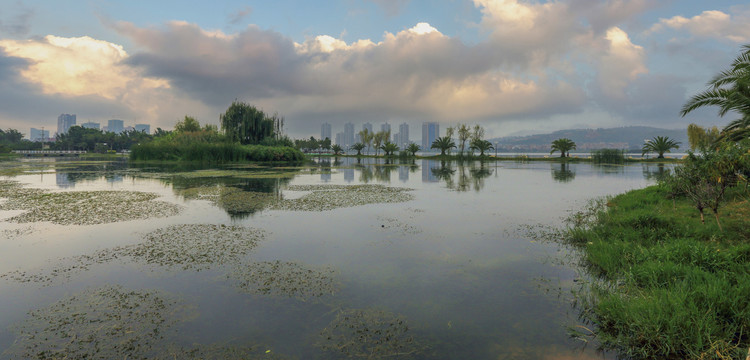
(348, 137)
(66, 121)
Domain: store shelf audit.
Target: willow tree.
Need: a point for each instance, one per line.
(247, 124)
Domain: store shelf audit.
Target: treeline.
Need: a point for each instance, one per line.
(247, 134)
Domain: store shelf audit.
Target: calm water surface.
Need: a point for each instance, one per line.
(456, 262)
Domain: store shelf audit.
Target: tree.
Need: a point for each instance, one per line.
(366, 137)
(337, 149)
(563, 145)
(249, 125)
(730, 91)
(700, 138)
(389, 148)
(444, 143)
(188, 124)
(464, 133)
(358, 146)
(10, 136)
(379, 138)
(413, 148)
(326, 144)
(660, 145)
(480, 145)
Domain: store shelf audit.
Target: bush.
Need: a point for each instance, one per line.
(608, 156)
(213, 152)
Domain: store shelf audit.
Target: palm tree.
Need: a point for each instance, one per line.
(563, 145)
(413, 148)
(358, 147)
(389, 148)
(481, 145)
(660, 145)
(379, 138)
(366, 137)
(337, 149)
(730, 91)
(443, 143)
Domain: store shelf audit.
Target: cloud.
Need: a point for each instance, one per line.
(713, 24)
(620, 64)
(391, 7)
(18, 24)
(240, 15)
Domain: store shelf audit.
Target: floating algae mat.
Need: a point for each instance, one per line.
(82, 207)
(188, 246)
(103, 323)
(195, 246)
(289, 279)
(368, 334)
(329, 197)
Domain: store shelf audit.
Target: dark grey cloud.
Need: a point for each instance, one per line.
(15, 20)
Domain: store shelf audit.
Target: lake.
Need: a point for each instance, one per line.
(340, 259)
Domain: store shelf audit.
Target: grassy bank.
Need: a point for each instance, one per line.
(214, 152)
(664, 285)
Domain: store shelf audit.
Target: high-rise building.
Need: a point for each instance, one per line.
(146, 128)
(38, 135)
(64, 122)
(325, 131)
(430, 132)
(115, 126)
(340, 140)
(385, 127)
(403, 135)
(90, 125)
(367, 126)
(348, 135)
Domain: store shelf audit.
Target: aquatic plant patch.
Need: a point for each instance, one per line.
(187, 246)
(103, 323)
(288, 279)
(195, 246)
(82, 207)
(368, 334)
(329, 197)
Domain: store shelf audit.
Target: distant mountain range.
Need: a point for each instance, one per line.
(628, 138)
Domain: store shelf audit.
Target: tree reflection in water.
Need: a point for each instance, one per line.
(562, 173)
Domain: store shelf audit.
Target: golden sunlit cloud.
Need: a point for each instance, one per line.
(78, 66)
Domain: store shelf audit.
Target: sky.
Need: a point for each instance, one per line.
(512, 66)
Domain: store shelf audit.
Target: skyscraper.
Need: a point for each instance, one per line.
(403, 135)
(64, 122)
(367, 126)
(348, 135)
(90, 125)
(115, 126)
(386, 127)
(325, 131)
(430, 132)
(146, 128)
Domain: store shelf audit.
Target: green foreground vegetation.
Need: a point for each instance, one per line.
(666, 282)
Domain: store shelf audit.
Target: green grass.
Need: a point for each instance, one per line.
(665, 286)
